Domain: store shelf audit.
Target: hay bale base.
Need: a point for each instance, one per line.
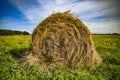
(62, 39)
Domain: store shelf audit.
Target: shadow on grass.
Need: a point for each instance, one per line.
(19, 53)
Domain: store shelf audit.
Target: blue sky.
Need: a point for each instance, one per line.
(101, 16)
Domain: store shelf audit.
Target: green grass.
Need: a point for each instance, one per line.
(11, 47)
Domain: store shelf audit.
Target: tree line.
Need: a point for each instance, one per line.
(13, 32)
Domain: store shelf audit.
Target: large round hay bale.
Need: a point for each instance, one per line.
(62, 39)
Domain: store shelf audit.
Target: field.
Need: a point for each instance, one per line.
(11, 48)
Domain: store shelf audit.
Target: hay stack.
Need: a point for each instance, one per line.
(62, 39)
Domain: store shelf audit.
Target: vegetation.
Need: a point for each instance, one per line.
(11, 32)
(11, 48)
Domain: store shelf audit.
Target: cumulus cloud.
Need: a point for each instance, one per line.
(86, 10)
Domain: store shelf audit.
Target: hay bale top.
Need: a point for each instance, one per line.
(60, 19)
(62, 39)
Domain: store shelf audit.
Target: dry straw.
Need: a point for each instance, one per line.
(62, 39)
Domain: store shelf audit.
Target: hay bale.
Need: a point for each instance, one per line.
(62, 39)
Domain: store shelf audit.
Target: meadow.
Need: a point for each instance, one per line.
(11, 48)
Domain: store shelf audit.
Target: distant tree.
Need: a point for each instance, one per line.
(26, 33)
(114, 33)
(11, 32)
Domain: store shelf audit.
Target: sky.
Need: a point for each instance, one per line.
(100, 16)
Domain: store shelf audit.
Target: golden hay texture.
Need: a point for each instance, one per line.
(62, 39)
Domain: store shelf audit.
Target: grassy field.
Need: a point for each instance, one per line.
(11, 47)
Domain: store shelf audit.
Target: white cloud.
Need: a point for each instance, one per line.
(108, 26)
(87, 11)
(10, 23)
